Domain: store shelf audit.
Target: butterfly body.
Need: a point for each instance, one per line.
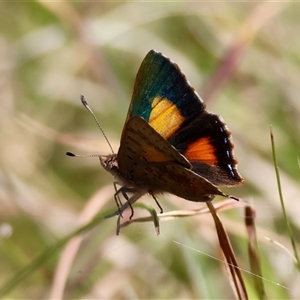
(170, 143)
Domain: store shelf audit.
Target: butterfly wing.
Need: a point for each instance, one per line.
(150, 163)
(162, 95)
(164, 98)
(140, 142)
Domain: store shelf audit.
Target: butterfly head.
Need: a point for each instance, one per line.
(110, 163)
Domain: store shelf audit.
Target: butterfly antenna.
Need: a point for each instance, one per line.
(84, 102)
(79, 155)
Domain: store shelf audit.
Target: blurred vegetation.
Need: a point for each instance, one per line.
(242, 58)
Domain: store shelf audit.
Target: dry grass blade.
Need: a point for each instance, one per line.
(253, 252)
(233, 268)
(220, 206)
(153, 217)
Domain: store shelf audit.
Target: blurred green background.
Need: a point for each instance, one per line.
(242, 58)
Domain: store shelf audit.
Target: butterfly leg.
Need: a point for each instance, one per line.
(121, 207)
(124, 190)
(129, 203)
(161, 209)
(118, 225)
(117, 197)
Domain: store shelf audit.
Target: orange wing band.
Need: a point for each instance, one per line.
(201, 150)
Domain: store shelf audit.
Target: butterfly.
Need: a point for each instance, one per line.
(170, 143)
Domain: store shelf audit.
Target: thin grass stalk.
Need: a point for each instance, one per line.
(286, 218)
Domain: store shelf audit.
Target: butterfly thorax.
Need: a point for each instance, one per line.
(110, 164)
